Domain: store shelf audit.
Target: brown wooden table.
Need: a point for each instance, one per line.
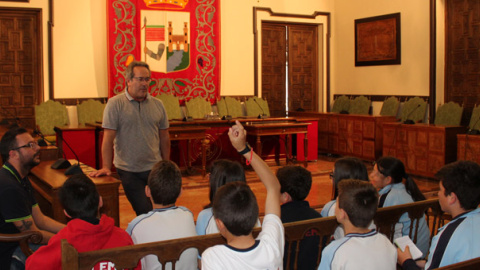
(259, 129)
(189, 133)
(47, 182)
(468, 147)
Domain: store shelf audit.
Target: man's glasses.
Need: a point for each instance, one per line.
(30, 144)
(142, 79)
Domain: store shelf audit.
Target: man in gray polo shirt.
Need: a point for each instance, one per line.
(136, 128)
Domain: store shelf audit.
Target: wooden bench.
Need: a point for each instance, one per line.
(169, 251)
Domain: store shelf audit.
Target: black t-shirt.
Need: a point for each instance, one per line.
(16, 202)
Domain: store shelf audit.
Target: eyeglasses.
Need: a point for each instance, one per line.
(142, 79)
(30, 144)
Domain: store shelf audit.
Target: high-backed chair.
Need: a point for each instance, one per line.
(475, 119)
(390, 107)
(90, 111)
(360, 105)
(229, 106)
(172, 106)
(48, 115)
(449, 114)
(414, 109)
(198, 107)
(341, 104)
(256, 106)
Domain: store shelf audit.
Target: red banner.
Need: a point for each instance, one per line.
(180, 40)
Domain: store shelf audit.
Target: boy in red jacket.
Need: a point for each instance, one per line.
(86, 232)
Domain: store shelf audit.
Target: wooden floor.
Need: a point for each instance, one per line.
(194, 195)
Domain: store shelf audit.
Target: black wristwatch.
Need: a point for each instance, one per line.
(246, 150)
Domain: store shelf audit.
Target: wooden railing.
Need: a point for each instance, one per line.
(170, 250)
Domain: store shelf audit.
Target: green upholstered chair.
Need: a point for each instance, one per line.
(229, 106)
(449, 114)
(48, 115)
(474, 120)
(172, 106)
(90, 111)
(360, 105)
(256, 106)
(341, 104)
(414, 109)
(390, 107)
(198, 107)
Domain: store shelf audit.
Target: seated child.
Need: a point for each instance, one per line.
(459, 240)
(361, 248)
(236, 211)
(85, 231)
(295, 182)
(166, 221)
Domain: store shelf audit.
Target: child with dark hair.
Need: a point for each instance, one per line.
(387, 176)
(344, 168)
(361, 248)
(295, 182)
(223, 171)
(166, 221)
(85, 231)
(459, 240)
(236, 211)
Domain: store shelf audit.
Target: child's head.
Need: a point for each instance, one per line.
(236, 206)
(463, 179)
(348, 168)
(165, 182)
(359, 200)
(296, 181)
(387, 167)
(79, 197)
(224, 171)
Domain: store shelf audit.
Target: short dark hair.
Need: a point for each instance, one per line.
(295, 180)
(224, 171)
(165, 182)
(462, 178)
(79, 197)
(236, 206)
(130, 74)
(348, 168)
(359, 200)
(9, 141)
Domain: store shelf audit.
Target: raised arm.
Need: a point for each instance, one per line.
(238, 137)
(107, 153)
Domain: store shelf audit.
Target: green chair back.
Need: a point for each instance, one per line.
(50, 114)
(198, 107)
(390, 107)
(360, 105)
(229, 106)
(90, 111)
(474, 122)
(414, 109)
(172, 106)
(342, 103)
(256, 106)
(449, 114)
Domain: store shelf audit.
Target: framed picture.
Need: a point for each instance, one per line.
(377, 40)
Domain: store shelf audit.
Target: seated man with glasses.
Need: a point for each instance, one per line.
(19, 210)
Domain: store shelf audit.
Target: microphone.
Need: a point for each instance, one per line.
(228, 116)
(262, 115)
(42, 141)
(187, 117)
(473, 131)
(72, 169)
(409, 121)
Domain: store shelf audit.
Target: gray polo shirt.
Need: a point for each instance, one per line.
(137, 141)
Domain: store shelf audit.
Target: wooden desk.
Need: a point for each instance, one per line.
(190, 133)
(468, 147)
(47, 182)
(423, 148)
(277, 128)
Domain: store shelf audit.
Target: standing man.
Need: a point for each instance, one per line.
(19, 211)
(136, 129)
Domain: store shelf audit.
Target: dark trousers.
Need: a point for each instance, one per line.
(134, 185)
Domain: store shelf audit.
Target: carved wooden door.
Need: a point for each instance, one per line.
(21, 76)
(289, 49)
(462, 63)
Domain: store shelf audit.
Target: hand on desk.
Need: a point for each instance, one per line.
(102, 171)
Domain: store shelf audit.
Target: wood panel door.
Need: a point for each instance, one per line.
(289, 51)
(462, 67)
(21, 76)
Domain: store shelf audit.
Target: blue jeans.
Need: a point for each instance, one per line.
(134, 185)
(19, 258)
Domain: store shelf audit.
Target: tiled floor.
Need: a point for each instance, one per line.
(194, 195)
